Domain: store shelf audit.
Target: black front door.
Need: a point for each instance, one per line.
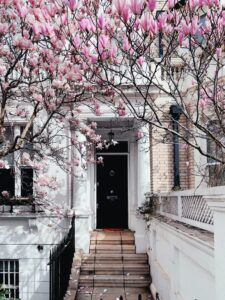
(112, 203)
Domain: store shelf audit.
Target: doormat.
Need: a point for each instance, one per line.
(113, 229)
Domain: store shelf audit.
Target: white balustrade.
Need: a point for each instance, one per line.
(190, 209)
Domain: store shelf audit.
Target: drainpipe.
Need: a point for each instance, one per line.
(175, 112)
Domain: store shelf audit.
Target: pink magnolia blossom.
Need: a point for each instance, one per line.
(151, 4)
(113, 52)
(21, 112)
(72, 4)
(93, 125)
(140, 135)
(140, 60)
(4, 28)
(101, 22)
(36, 28)
(47, 181)
(99, 146)
(153, 26)
(85, 24)
(171, 3)
(103, 40)
(94, 59)
(136, 6)
(218, 52)
(162, 21)
(126, 44)
(98, 112)
(194, 25)
(202, 103)
(2, 70)
(23, 43)
(5, 194)
(100, 160)
(77, 41)
(120, 6)
(145, 22)
(22, 11)
(26, 159)
(37, 97)
(125, 14)
(4, 164)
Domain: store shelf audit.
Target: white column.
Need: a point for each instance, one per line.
(143, 165)
(217, 205)
(81, 202)
(16, 166)
(143, 180)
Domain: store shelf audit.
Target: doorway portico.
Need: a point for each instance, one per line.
(113, 190)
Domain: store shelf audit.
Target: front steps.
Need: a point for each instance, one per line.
(113, 268)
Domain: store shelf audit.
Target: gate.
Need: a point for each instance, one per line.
(61, 259)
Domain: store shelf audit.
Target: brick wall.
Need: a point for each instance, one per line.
(162, 177)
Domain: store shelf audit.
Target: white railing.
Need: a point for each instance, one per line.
(187, 207)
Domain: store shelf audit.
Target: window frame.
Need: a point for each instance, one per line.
(6, 278)
(219, 172)
(17, 165)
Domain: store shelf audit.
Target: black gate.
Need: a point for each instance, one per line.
(61, 259)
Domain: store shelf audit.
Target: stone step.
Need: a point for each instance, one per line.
(70, 295)
(112, 238)
(110, 249)
(115, 269)
(108, 234)
(112, 242)
(114, 281)
(113, 293)
(114, 258)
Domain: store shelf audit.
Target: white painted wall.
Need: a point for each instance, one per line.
(182, 266)
(19, 238)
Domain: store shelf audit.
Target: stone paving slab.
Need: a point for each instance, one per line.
(113, 294)
(110, 290)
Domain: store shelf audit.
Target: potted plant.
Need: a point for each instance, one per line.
(149, 207)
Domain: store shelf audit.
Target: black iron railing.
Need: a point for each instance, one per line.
(61, 259)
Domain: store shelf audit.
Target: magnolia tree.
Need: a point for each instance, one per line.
(42, 86)
(136, 57)
(150, 57)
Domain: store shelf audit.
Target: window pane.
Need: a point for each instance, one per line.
(7, 181)
(17, 293)
(160, 36)
(1, 266)
(17, 266)
(26, 182)
(216, 175)
(6, 266)
(12, 265)
(9, 136)
(28, 147)
(12, 279)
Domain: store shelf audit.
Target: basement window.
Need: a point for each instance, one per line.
(9, 278)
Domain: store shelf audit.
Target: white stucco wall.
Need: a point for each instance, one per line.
(19, 239)
(182, 266)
